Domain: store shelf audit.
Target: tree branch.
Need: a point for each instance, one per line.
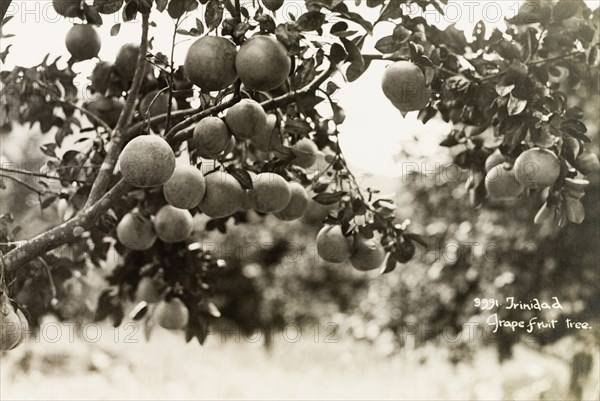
(36, 174)
(174, 137)
(92, 116)
(27, 185)
(118, 140)
(68, 231)
(183, 131)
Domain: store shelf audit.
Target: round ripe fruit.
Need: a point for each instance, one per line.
(210, 63)
(148, 291)
(101, 76)
(136, 232)
(108, 109)
(147, 161)
(10, 327)
(83, 42)
(367, 254)
(186, 187)
(270, 193)
(172, 224)
(297, 205)
(501, 184)
(211, 137)
(265, 138)
(24, 327)
(306, 152)
(126, 60)
(403, 84)
(246, 119)
(172, 315)
(493, 160)
(332, 245)
(152, 105)
(587, 162)
(224, 195)
(262, 63)
(272, 5)
(108, 6)
(67, 8)
(537, 168)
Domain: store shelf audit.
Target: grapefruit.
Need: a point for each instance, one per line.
(270, 193)
(186, 187)
(172, 224)
(297, 205)
(83, 42)
(210, 63)
(136, 232)
(537, 168)
(211, 137)
(367, 254)
(172, 315)
(404, 85)
(147, 161)
(246, 119)
(262, 63)
(224, 195)
(332, 245)
(501, 184)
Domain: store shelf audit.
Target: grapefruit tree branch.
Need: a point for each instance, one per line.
(118, 140)
(173, 136)
(66, 232)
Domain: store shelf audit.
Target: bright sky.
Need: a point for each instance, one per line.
(374, 132)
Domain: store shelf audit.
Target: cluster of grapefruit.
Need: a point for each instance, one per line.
(149, 161)
(334, 246)
(214, 63)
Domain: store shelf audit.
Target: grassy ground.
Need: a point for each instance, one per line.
(168, 368)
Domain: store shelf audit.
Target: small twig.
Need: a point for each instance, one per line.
(238, 10)
(36, 174)
(49, 274)
(28, 186)
(178, 133)
(171, 73)
(92, 116)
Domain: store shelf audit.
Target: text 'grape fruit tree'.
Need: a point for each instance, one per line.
(259, 83)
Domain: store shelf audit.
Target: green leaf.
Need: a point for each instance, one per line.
(213, 15)
(515, 105)
(161, 5)
(329, 198)
(387, 45)
(337, 53)
(241, 175)
(311, 21)
(177, 8)
(565, 9)
(92, 15)
(354, 54)
(114, 31)
(355, 70)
